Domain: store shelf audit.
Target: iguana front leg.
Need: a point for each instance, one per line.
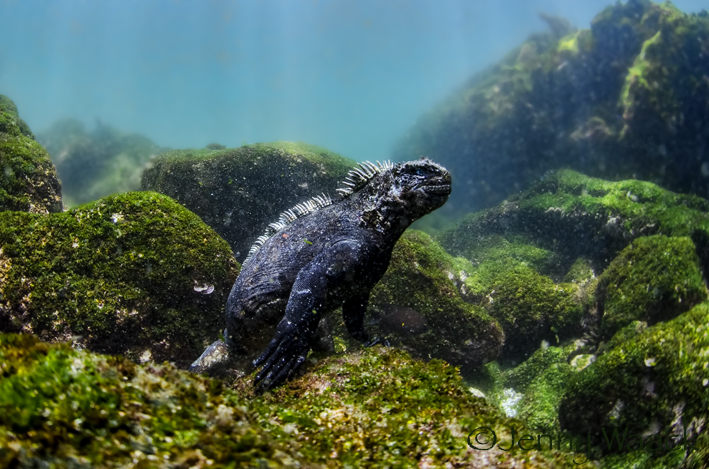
(308, 302)
(353, 310)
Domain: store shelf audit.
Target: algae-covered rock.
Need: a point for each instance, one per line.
(654, 279)
(68, 408)
(652, 387)
(531, 308)
(572, 216)
(238, 192)
(625, 98)
(379, 408)
(96, 163)
(538, 384)
(28, 179)
(418, 306)
(376, 408)
(539, 408)
(136, 274)
(7, 106)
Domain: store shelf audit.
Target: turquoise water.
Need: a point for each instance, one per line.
(349, 76)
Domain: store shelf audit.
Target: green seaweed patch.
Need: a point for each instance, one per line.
(8, 108)
(28, 179)
(581, 271)
(653, 279)
(641, 459)
(380, 408)
(492, 256)
(654, 383)
(376, 408)
(531, 308)
(664, 78)
(574, 43)
(135, 273)
(574, 216)
(521, 376)
(64, 407)
(540, 381)
(539, 408)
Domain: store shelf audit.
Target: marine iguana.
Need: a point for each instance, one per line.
(320, 255)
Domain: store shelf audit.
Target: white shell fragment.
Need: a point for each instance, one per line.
(204, 289)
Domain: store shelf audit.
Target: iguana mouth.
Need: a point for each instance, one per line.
(438, 189)
(440, 185)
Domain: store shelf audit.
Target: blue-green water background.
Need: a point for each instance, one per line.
(348, 75)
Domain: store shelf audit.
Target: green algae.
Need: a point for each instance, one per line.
(654, 382)
(28, 179)
(380, 409)
(8, 108)
(539, 408)
(574, 216)
(117, 276)
(63, 407)
(531, 308)
(541, 380)
(521, 376)
(239, 191)
(376, 408)
(581, 271)
(653, 279)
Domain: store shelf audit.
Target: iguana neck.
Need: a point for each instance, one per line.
(381, 212)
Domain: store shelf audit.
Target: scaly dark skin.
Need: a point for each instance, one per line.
(330, 258)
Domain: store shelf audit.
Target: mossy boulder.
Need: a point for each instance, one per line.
(572, 216)
(418, 306)
(239, 191)
(653, 384)
(654, 279)
(62, 407)
(28, 179)
(625, 98)
(136, 274)
(539, 408)
(532, 309)
(99, 162)
(8, 107)
(538, 384)
(376, 408)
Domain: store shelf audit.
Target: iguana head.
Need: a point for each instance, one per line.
(397, 195)
(422, 186)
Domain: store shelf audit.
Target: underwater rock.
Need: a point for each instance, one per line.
(422, 277)
(531, 308)
(651, 382)
(116, 276)
(69, 408)
(402, 320)
(568, 215)
(625, 98)
(538, 383)
(654, 279)
(28, 179)
(627, 250)
(375, 408)
(96, 163)
(238, 192)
